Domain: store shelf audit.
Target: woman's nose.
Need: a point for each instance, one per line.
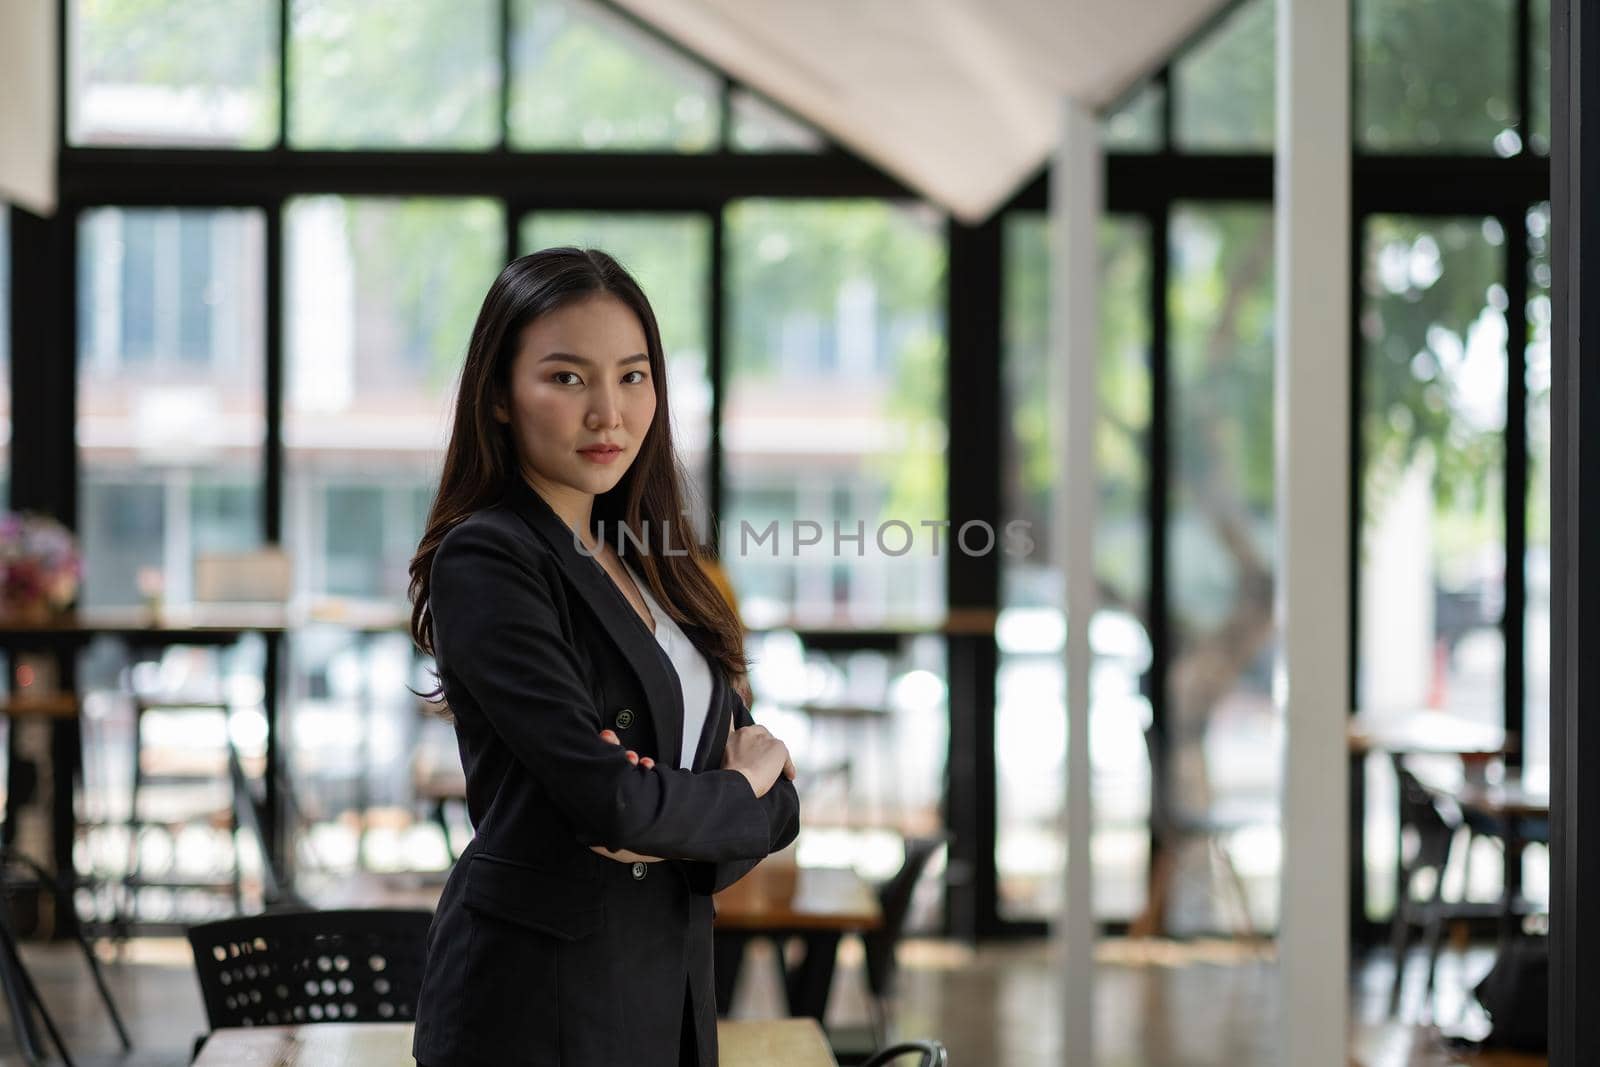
(606, 414)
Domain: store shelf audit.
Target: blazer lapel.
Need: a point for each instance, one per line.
(663, 692)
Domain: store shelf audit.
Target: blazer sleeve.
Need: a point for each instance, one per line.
(782, 806)
(497, 632)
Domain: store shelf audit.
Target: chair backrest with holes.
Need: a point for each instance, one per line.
(311, 966)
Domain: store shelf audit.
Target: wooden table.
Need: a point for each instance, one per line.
(780, 900)
(1420, 733)
(62, 636)
(767, 1043)
(215, 624)
(1517, 796)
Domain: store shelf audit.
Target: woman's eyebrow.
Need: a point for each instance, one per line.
(584, 361)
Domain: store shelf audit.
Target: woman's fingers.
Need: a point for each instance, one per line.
(760, 757)
(610, 738)
(622, 855)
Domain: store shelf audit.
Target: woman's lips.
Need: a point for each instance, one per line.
(601, 453)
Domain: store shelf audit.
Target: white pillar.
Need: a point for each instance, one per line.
(1312, 412)
(1075, 206)
(28, 104)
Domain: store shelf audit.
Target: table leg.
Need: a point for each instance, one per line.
(271, 818)
(66, 756)
(1400, 887)
(19, 784)
(1512, 879)
(1356, 836)
(809, 983)
(727, 957)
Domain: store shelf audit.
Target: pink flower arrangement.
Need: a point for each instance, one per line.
(40, 565)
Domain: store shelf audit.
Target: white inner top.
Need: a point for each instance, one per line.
(693, 673)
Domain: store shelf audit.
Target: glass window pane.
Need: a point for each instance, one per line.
(834, 429)
(586, 78)
(366, 74)
(1435, 75)
(1539, 73)
(1136, 125)
(1536, 647)
(1433, 487)
(170, 393)
(1221, 725)
(381, 296)
(1224, 85)
(669, 255)
(1030, 736)
(760, 127)
(835, 410)
(155, 73)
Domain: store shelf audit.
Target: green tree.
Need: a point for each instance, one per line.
(794, 258)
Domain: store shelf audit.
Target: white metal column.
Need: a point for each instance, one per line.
(1075, 207)
(1312, 414)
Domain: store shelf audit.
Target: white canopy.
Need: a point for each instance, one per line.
(959, 99)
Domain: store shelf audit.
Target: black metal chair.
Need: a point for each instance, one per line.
(17, 985)
(311, 966)
(894, 899)
(1432, 823)
(932, 1052)
(1175, 829)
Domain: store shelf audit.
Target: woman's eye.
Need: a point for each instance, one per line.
(634, 376)
(561, 377)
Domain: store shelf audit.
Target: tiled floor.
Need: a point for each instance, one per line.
(1160, 1004)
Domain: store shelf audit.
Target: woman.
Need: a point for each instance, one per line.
(615, 779)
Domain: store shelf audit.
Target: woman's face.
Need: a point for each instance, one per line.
(581, 395)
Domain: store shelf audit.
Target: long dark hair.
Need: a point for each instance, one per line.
(647, 502)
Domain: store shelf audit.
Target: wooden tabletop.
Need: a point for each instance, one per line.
(1515, 796)
(1425, 733)
(197, 623)
(317, 1045)
(764, 1043)
(209, 619)
(778, 895)
(867, 712)
(779, 1042)
(43, 705)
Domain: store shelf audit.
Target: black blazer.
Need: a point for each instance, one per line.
(542, 951)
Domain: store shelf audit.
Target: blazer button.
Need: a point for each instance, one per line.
(624, 718)
(639, 870)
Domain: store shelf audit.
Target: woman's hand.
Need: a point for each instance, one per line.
(610, 737)
(756, 754)
(622, 855)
